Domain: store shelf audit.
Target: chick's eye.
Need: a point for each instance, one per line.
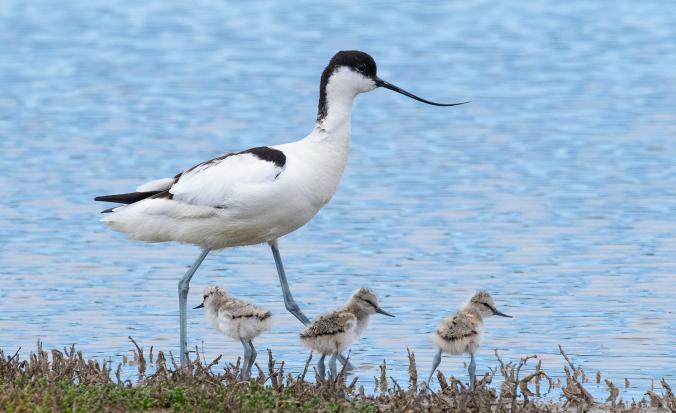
(361, 67)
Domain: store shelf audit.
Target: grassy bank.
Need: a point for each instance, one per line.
(60, 381)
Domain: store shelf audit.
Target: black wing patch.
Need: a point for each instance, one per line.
(263, 153)
(268, 154)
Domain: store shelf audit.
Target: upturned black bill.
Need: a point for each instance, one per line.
(388, 85)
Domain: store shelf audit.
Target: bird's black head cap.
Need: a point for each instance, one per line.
(358, 61)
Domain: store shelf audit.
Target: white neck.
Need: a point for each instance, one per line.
(338, 113)
(338, 95)
(325, 150)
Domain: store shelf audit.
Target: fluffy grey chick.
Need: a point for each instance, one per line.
(335, 331)
(238, 319)
(460, 333)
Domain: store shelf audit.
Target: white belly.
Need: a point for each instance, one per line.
(459, 346)
(159, 220)
(240, 328)
(329, 344)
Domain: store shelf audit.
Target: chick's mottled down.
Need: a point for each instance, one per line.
(235, 318)
(460, 333)
(334, 332)
(238, 319)
(331, 333)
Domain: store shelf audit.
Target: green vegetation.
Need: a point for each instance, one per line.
(59, 381)
(42, 396)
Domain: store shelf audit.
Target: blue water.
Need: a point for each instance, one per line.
(555, 189)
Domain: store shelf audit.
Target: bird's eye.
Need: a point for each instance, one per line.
(361, 67)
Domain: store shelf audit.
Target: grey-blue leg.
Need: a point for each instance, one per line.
(252, 356)
(320, 366)
(435, 364)
(472, 371)
(244, 367)
(183, 287)
(289, 302)
(332, 365)
(344, 362)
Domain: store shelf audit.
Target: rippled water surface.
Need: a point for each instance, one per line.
(554, 189)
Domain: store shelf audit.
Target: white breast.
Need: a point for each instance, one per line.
(315, 165)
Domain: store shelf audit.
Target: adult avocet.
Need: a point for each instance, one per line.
(257, 195)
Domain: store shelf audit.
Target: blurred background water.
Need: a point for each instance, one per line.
(554, 189)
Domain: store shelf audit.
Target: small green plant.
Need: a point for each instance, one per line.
(64, 381)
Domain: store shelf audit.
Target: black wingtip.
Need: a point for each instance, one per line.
(128, 198)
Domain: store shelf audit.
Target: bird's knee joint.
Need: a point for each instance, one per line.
(291, 307)
(183, 286)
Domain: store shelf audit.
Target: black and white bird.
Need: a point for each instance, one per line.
(334, 332)
(237, 319)
(257, 195)
(460, 333)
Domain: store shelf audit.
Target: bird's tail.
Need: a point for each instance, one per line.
(128, 198)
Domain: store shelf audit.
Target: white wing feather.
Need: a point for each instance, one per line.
(156, 185)
(223, 183)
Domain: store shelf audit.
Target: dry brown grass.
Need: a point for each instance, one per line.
(65, 381)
